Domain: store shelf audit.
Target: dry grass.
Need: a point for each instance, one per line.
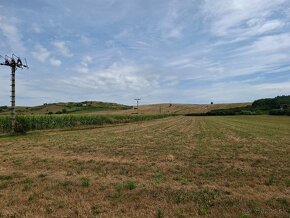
(173, 167)
(175, 108)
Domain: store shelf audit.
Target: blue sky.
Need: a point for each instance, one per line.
(181, 51)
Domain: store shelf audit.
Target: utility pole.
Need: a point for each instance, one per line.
(137, 100)
(14, 62)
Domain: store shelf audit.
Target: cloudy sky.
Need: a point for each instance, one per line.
(183, 51)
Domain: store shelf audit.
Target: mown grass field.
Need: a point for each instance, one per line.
(172, 167)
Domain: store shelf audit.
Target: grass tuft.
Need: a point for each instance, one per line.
(160, 213)
(130, 185)
(85, 182)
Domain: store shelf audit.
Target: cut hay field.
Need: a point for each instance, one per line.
(172, 167)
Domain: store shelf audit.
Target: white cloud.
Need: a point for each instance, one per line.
(82, 69)
(278, 45)
(62, 48)
(86, 60)
(270, 25)
(180, 62)
(281, 87)
(182, 53)
(55, 62)
(233, 17)
(225, 92)
(172, 25)
(35, 28)
(12, 37)
(118, 76)
(41, 53)
(84, 65)
(85, 40)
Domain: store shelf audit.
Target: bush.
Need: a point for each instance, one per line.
(64, 111)
(279, 112)
(243, 112)
(4, 107)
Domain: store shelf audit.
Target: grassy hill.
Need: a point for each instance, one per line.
(94, 107)
(174, 108)
(66, 108)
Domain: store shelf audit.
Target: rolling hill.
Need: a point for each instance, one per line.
(66, 108)
(174, 108)
(95, 107)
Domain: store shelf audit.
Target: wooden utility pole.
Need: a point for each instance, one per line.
(14, 62)
(137, 100)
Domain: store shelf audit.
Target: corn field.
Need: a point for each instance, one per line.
(29, 123)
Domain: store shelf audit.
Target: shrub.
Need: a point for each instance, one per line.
(279, 112)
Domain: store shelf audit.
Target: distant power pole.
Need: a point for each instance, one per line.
(137, 100)
(14, 62)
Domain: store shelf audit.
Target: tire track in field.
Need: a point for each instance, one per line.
(258, 125)
(171, 137)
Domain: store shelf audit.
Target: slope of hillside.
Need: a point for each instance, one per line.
(94, 107)
(174, 108)
(66, 108)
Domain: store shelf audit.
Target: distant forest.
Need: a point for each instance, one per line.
(279, 105)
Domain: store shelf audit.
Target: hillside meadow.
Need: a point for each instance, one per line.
(94, 107)
(174, 108)
(172, 167)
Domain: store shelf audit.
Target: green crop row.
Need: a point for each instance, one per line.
(28, 123)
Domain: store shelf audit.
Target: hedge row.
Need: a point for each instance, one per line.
(279, 112)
